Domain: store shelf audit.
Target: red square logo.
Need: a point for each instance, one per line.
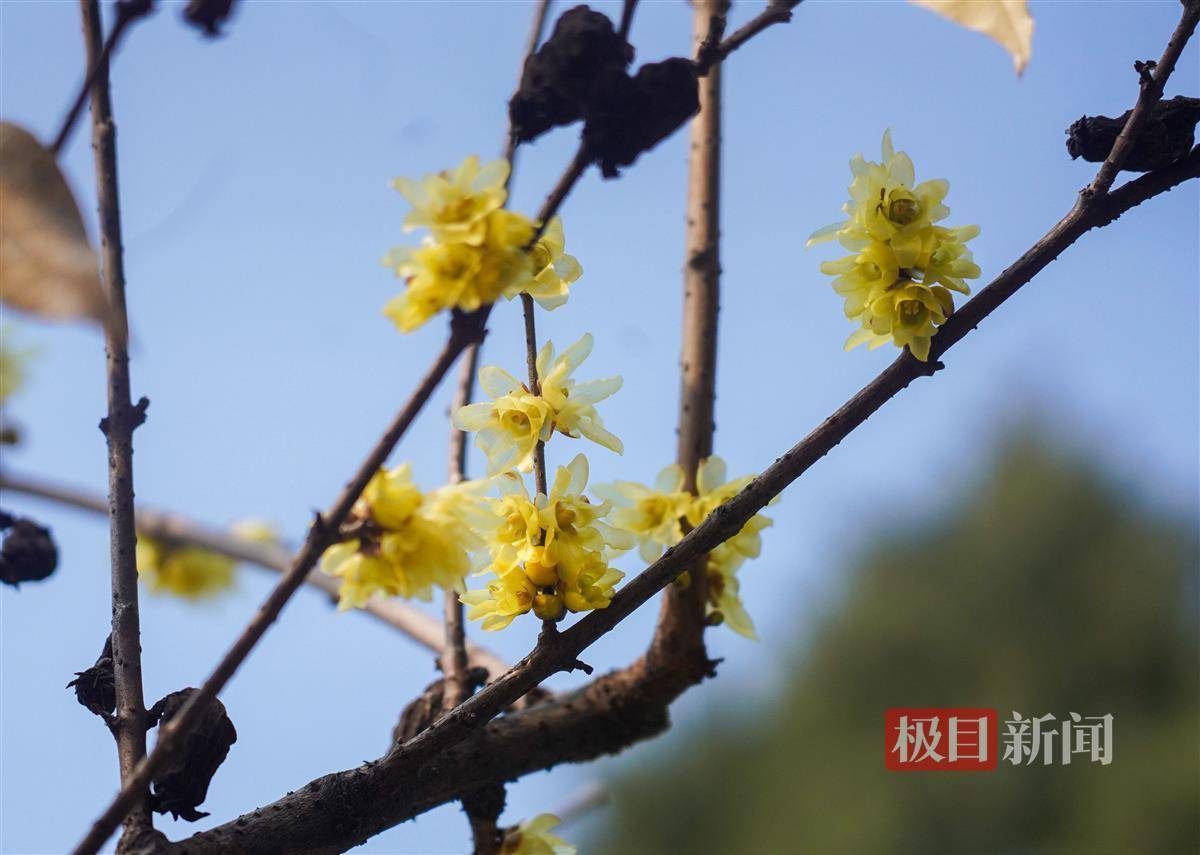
(950, 740)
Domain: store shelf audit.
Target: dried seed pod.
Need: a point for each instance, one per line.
(182, 783)
(208, 15)
(633, 115)
(28, 554)
(95, 687)
(1168, 135)
(559, 80)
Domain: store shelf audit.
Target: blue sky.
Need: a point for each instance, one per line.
(256, 205)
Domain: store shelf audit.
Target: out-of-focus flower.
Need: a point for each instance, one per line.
(556, 271)
(185, 571)
(574, 403)
(453, 203)
(533, 837)
(408, 541)
(652, 514)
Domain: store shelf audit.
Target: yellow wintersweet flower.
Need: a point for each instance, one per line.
(724, 604)
(884, 205)
(895, 284)
(652, 514)
(444, 275)
(571, 521)
(556, 270)
(363, 574)
(510, 595)
(452, 204)
(533, 837)
(574, 404)
(550, 553)
(186, 571)
(909, 314)
(510, 425)
(713, 490)
(945, 259)
(408, 541)
(862, 276)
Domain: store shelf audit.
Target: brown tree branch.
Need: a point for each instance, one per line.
(1153, 77)
(126, 13)
(465, 329)
(466, 748)
(776, 12)
(129, 723)
(173, 528)
(681, 620)
(322, 534)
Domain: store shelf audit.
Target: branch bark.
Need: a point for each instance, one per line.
(1152, 81)
(466, 748)
(681, 623)
(129, 723)
(465, 330)
(322, 534)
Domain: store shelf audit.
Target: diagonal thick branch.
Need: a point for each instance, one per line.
(465, 330)
(465, 748)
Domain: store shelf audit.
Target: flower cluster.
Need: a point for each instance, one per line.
(898, 279)
(550, 553)
(403, 541)
(533, 837)
(656, 517)
(192, 572)
(476, 251)
(515, 420)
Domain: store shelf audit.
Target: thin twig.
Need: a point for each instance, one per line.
(681, 621)
(321, 535)
(535, 387)
(560, 651)
(454, 656)
(126, 14)
(465, 329)
(397, 784)
(175, 529)
(776, 12)
(129, 723)
(627, 9)
(540, 16)
(1152, 81)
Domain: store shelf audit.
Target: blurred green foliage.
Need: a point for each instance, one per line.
(1045, 589)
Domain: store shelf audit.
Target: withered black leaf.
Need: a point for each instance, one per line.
(559, 81)
(95, 687)
(208, 15)
(28, 553)
(632, 115)
(182, 783)
(1168, 135)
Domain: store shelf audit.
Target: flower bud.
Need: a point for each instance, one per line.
(549, 606)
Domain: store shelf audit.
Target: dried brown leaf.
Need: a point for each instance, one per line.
(47, 266)
(1006, 21)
